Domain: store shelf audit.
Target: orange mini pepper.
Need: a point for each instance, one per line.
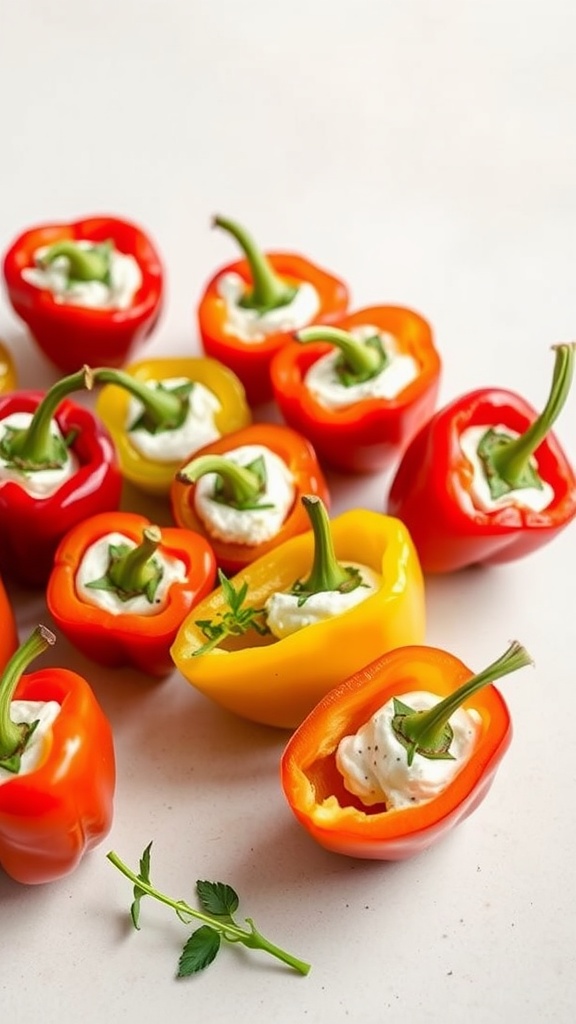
(271, 281)
(164, 409)
(341, 822)
(368, 434)
(122, 636)
(52, 813)
(296, 453)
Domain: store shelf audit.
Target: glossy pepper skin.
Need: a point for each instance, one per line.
(278, 683)
(367, 436)
(430, 489)
(250, 360)
(32, 527)
(112, 404)
(51, 817)
(339, 821)
(71, 335)
(142, 641)
(8, 632)
(296, 453)
(8, 380)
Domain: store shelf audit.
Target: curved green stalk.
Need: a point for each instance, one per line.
(164, 408)
(428, 732)
(35, 447)
(269, 291)
(133, 572)
(84, 263)
(238, 486)
(508, 462)
(360, 360)
(15, 735)
(326, 573)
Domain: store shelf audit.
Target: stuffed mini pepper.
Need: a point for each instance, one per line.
(121, 587)
(359, 391)
(89, 291)
(486, 481)
(269, 643)
(244, 492)
(57, 466)
(57, 767)
(251, 307)
(399, 753)
(160, 411)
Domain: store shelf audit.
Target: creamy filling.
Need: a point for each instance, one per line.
(252, 326)
(324, 384)
(39, 483)
(199, 427)
(374, 764)
(125, 280)
(285, 615)
(28, 712)
(94, 565)
(248, 526)
(534, 498)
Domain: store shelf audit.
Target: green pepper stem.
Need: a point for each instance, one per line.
(133, 571)
(268, 289)
(511, 459)
(84, 264)
(363, 360)
(240, 483)
(164, 408)
(424, 728)
(326, 572)
(12, 734)
(36, 447)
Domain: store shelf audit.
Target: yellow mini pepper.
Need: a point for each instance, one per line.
(147, 474)
(8, 380)
(278, 681)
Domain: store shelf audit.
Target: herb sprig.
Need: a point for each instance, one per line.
(219, 903)
(236, 621)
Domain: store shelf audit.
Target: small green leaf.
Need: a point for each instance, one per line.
(144, 876)
(217, 898)
(199, 951)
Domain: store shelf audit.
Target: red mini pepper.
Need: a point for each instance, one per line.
(8, 632)
(432, 489)
(128, 637)
(342, 822)
(296, 453)
(71, 335)
(271, 280)
(52, 814)
(31, 526)
(368, 434)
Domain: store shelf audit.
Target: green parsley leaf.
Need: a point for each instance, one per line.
(199, 951)
(217, 898)
(144, 876)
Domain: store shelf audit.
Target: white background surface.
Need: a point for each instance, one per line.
(427, 154)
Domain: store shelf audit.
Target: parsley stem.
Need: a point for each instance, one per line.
(363, 360)
(229, 931)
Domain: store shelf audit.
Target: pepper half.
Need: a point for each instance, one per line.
(127, 637)
(71, 335)
(369, 434)
(8, 381)
(270, 282)
(112, 405)
(314, 787)
(32, 525)
(279, 682)
(296, 453)
(431, 490)
(53, 815)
